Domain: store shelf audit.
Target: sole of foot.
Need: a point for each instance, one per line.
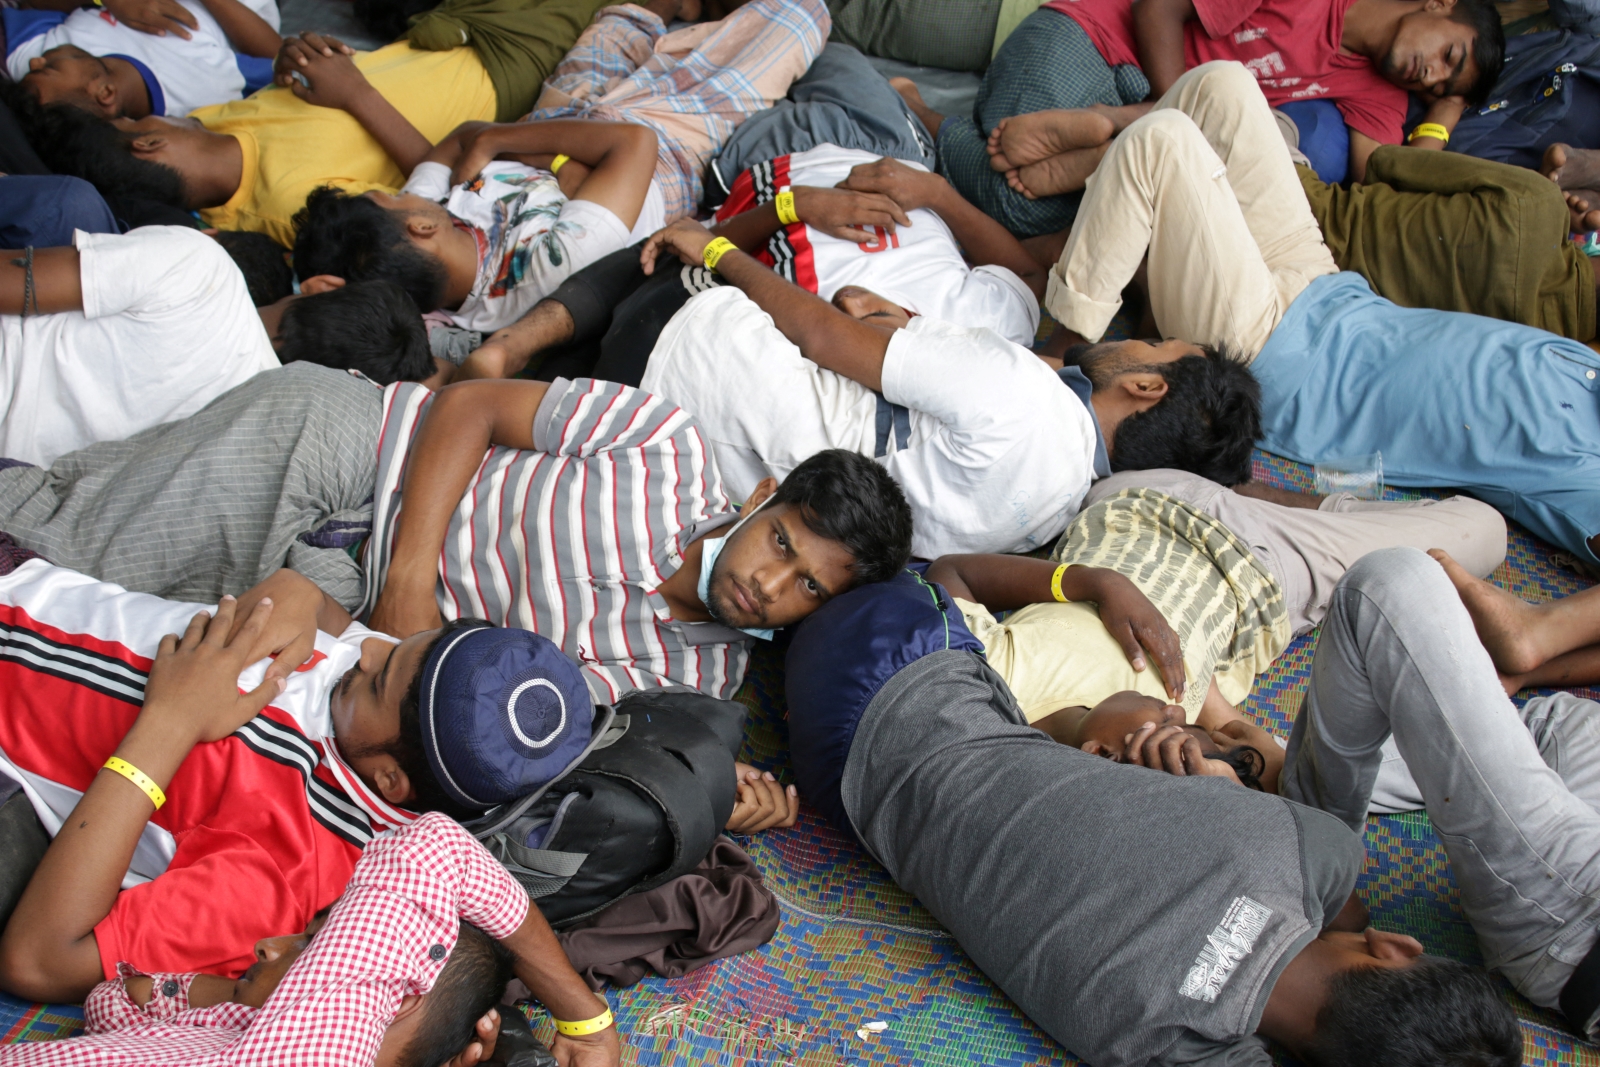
(1022, 140)
(1066, 172)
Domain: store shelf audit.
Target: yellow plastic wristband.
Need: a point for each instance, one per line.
(1429, 129)
(785, 205)
(557, 163)
(138, 778)
(714, 252)
(587, 1026)
(1055, 584)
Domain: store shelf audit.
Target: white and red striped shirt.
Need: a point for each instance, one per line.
(260, 830)
(572, 538)
(919, 267)
(388, 937)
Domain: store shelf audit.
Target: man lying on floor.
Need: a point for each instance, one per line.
(407, 967)
(1025, 849)
(1500, 410)
(121, 332)
(266, 819)
(590, 512)
(830, 241)
(1234, 575)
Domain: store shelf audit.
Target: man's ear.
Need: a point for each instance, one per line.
(1385, 945)
(760, 494)
(321, 283)
(104, 95)
(148, 143)
(391, 781)
(1097, 748)
(421, 228)
(1439, 7)
(1144, 388)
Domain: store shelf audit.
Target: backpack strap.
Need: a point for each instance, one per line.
(541, 871)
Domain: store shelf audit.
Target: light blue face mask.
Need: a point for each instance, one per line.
(710, 549)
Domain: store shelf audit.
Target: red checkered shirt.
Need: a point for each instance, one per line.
(387, 937)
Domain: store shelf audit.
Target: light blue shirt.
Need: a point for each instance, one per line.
(1506, 412)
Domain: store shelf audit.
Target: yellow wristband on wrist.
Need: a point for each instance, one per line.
(719, 247)
(1055, 584)
(138, 778)
(587, 1026)
(784, 203)
(557, 163)
(1429, 129)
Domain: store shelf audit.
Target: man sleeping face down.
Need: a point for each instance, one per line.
(1133, 728)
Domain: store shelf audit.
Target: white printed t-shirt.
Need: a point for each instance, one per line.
(998, 455)
(918, 267)
(167, 326)
(180, 75)
(530, 236)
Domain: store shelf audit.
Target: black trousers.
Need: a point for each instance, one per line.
(618, 313)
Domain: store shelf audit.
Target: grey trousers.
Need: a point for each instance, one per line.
(1513, 796)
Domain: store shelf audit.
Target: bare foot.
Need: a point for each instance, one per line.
(919, 107)
(1572, 168)
(1500, 619)
(1046, 249)
(1584, 206)
(1033, 138)
(1066, 172)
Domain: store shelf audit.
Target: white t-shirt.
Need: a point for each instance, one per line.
(167, 326)
(918, 267)
(188, 74)
(999, 453)
(530, 236)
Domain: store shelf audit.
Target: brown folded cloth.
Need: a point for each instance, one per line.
(719, 909)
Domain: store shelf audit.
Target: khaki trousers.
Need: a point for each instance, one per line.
(1205, 184)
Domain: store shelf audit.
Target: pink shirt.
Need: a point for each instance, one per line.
(388, 937)
(1291, 46)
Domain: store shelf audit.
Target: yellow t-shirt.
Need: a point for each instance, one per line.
(291, 147)
(1056, 656)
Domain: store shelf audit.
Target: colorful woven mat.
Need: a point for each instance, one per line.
(859, 973)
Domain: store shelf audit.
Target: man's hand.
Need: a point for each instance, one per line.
(193, 687)
(762, 802)
(1173, 749)
(904, 184)
(1137, 625)
(405, 608)
(328, 77)
(297, 614)
(603, 1049)
(843, 213)
(485, 1033)
(156, 17)
(478, 145)
(686, 239)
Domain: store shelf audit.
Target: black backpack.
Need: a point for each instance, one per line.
(642, 806)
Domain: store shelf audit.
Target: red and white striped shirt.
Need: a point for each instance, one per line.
(388, 938)
(572, 538)
(260, 830)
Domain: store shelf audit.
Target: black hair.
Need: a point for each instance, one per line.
(1488, 48)
(846, 497)
(372, 327)
(1435, 1013)
(263, 262)
(1206, 424)
(406, 746)
(1247, 762)
(351, 237)
(471, 982)
(72, 141)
